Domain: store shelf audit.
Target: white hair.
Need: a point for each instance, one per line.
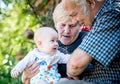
(84, 4)
(60, 14)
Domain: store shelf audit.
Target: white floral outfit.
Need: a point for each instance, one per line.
(48, 65)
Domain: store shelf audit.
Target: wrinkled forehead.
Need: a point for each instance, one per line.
(68, 4)
(68, 22)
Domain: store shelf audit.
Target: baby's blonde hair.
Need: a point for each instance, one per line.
(59, 14)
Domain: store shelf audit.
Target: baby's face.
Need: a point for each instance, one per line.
(50, 43)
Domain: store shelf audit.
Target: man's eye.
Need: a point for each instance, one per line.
(74, 14)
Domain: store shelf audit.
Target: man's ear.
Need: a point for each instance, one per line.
(91, 3)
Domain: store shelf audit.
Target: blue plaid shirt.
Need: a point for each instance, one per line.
(103, 44)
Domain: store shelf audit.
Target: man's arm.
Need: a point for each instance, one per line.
(77, 63)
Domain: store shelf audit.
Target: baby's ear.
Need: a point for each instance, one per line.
(39, 42)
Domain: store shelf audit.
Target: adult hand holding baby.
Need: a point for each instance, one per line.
(31, 70)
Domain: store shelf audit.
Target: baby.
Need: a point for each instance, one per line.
(46, 54)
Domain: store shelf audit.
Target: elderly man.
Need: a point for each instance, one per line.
(101, 47)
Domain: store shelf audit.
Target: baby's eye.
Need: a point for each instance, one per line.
(52, 40)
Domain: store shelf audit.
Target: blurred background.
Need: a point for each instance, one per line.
(18, 21)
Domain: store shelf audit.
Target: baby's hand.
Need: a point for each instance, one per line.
(15, 74)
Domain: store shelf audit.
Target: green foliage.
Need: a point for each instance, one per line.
(13, 23)
(17, 21)
(5, 69)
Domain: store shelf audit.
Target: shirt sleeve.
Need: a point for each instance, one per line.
(103, 41)
(23, 63)
(63, 57)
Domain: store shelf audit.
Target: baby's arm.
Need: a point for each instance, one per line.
(17, 69)
(63, 57)
(15, 73)
(20, 66)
